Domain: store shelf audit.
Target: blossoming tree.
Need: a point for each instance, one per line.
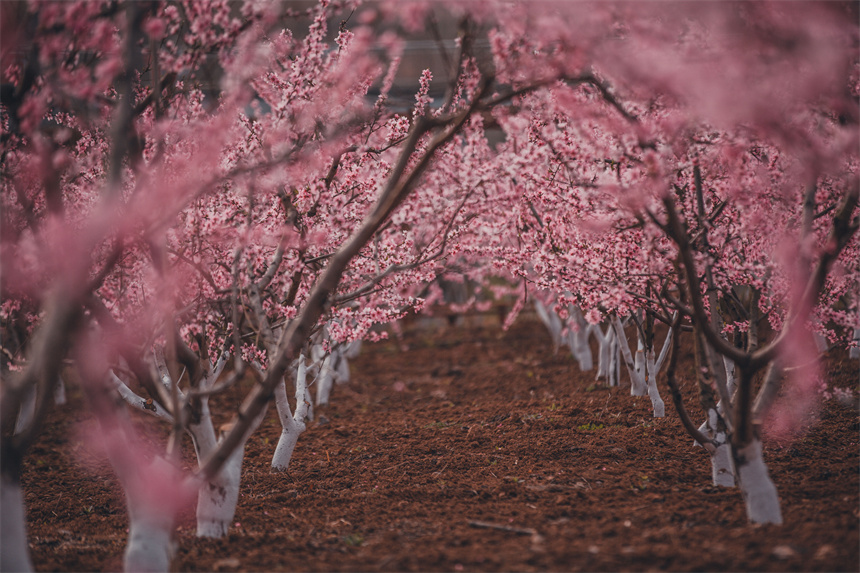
(657, 186)
(190, 183)
(157, 227)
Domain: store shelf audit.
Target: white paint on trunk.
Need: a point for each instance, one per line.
(292, 424)
(60, 392)
(340, 365)
(722, 467)
(352, 349)
(285, 448)
(651, 380)
(615, 362)
(722, 472)
(27, 410)
(637, 381)
(639, 368)
(644, 368)
(578, 331)
(729, 365)
(855, 350)
(604, 348)
(325, 381)
(15, 554)
(150, 545)
(552, 322)
(217, 499)
(759, 492)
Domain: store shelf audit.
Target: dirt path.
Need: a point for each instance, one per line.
(476, 450)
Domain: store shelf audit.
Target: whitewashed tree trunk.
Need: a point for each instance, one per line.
(60, 392)
(14, 550)
(722, 472)
(651, 381)
(644, 379)
(353, 349)
(292, 424)
(340, 365)
(604, 349)
(639, 367)
(552, 322)
(27, 410)
(214, 511)
(730, 375)
(150, 546)
(217, 499)
(577, 339)
(637, 380)
(28, 405)
(855, 350)
(334, 369)
(759, 492)
(722, 466)
(615, 361)
(325, 381)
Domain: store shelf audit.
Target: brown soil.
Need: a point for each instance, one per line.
(476, 450)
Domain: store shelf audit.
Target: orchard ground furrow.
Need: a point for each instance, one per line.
(466, 448)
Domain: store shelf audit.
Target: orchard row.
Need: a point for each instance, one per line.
(198, 191)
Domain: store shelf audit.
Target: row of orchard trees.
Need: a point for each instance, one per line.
(193, 193)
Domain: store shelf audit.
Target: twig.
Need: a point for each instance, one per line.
(517, 530)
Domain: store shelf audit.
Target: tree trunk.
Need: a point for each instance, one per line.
(292, 424)
(552, 322)
(637, 381)
(640, 369)
(285, 448)
(27, 410)
(150, 543)
(15, 554)
(615, 362)
(651, 381)
(722, 467)
(217, 499)
(340, 365)
(855, 350)
(722, 472)
(325, 381)
(604, 348)
(577, 339)
(759, 492)
(150, 546)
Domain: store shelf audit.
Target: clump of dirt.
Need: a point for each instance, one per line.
(467, 448)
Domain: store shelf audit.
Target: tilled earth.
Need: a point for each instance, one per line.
(465, 448)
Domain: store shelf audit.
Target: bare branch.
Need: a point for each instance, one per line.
(677, 397)
(677, 232)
